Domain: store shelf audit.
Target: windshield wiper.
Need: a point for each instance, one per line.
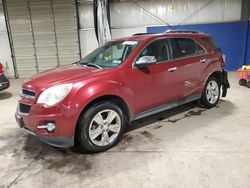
(76, 63)
(94, 65)
(88, 64)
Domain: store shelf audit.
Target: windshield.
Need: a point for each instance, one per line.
(110, 55)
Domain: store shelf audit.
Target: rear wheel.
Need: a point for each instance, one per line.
(100, 127)
(248, 84)
(242, 82)
(211, 93)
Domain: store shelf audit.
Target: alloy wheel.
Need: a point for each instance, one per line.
(104, 127)
(212, 92)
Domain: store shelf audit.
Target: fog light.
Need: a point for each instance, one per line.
(50, 126)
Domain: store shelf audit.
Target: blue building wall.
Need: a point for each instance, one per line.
(247, 60)
(232, 37)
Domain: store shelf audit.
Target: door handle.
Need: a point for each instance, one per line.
(172, 69)
(203, 60)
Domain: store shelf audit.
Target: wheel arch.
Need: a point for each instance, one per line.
(217, 74)
(204, 101)
(110, 98)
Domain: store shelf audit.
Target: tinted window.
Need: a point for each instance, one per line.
(211, 42)
(158, 49)
(199, 49)
(183, 47)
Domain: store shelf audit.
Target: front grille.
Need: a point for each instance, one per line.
(28, 93)
(24, 108)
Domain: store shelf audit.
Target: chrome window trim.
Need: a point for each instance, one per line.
(169, 37)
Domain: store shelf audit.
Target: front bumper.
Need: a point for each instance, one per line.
(225, 83)
(4, 82)
(34, 117)
(57, 141)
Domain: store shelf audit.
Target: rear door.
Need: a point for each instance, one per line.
(191, 58)
(156, 84)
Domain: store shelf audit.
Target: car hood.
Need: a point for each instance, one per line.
(63, 74)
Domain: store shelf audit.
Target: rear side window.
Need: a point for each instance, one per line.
(184, 47)
(211, 42)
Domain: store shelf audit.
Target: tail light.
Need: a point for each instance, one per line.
(1, 68)
(224, 59)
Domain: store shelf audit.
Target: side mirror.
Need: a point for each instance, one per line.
(145, 60)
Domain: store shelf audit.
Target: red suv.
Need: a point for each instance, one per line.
(92, 101)
(4, 82)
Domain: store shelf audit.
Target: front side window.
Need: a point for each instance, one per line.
(111, 54)
(183, 47)
(157, 49)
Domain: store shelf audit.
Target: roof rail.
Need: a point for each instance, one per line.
(138, 34)
(181, 31)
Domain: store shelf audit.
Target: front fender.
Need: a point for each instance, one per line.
(89, 92)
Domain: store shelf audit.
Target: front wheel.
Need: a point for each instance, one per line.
(211, 93)
(100, 127)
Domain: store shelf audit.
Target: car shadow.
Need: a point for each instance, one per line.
(165, 115)
(145, 127)
(172, 116)
(77, 161)
(5, 95)
(189, 110)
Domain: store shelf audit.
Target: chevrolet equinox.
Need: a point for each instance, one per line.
(90, 102)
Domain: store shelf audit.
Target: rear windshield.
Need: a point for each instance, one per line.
(211, 42)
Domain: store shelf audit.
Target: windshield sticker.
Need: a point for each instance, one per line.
(129, 42)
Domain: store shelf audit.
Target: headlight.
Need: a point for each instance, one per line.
(54, 94)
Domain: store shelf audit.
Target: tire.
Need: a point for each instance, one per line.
(211, 93)
(248, 84)
(100, 127)
(242, 82)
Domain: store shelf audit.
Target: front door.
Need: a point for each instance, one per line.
(156, 84)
